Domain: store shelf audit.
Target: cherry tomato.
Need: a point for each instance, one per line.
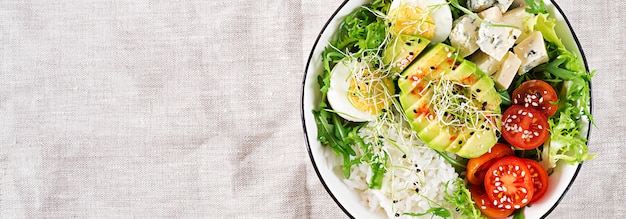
(525, 128)
(539, 176)
(477, 167)
(486, 205)
(508, 183)
(536, 94)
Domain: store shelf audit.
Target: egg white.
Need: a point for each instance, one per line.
(338, 92)
(442, 16)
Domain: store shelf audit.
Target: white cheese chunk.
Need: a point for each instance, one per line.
(507, 71)
(464, 35)
(492, 14)
(518, 17)
(532, 52)
(479, 5)
(495, 40)
(485, 62)
(503, 5)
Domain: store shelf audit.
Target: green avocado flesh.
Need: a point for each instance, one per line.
(417, 97)
(402, 51)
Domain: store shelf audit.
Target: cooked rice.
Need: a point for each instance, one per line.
(398, 194)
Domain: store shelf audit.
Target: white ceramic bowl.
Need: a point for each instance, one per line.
(347, 199)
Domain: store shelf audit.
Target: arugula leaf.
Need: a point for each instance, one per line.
(536, 8)
(506, 97)
(462, 199)
(439, 211)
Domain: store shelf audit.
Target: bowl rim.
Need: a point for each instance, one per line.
(303, 120)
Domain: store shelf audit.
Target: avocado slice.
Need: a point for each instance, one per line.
(440, 63)
(402, 50)
(428, 65)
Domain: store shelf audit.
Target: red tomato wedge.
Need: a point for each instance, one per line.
(536, 94)
(486, 205)
(477, 167)
(524, 127)
(539, 177)
(508, 183)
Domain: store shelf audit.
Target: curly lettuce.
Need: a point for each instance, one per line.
(568, 73)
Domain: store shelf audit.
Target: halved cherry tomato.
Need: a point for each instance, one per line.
(524, 127)
(539, 176)
(486, 205)
(508, 183)
(477, 167)
(536, 94)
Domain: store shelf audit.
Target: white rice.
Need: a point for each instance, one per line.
(398, 194)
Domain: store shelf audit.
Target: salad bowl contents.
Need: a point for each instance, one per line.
(447, 108)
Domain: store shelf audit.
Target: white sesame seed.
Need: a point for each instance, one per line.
(534, 104)
(524, 190)
(514, 206)
(483, 207)
(495, 202)
(530, 115)
(539, 127)
(507, 207)
(496, 191)
(524, 201)
(520, 111)
(516, 168)
(514, 117)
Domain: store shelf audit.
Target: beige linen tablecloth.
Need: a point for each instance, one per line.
(159, 109)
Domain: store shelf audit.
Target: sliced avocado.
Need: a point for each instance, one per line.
(429, 61)
(421, 121)
(478, 144)
(459, 141)
(430, 132)
(416, 97)
(402, 50)
(463, 70)
(417, 105)
(443, 140)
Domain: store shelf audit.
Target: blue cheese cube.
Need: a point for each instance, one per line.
(464, 35)
(518, 17)
(485, 62)
(492, 14)
(479, 5)
(507, 71)
(496, 40)
(532, 51)
(503, 5)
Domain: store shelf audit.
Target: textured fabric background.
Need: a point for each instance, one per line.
(161, 109)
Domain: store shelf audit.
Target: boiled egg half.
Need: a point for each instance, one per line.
(431, 19)
(357, 92)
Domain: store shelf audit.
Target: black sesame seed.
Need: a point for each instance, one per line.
(478, 90)
(471, 133)
(404, 156)
(417, 190)
(487, 128)
(418, 170)
(461, 142)
(498, 134)
(415, 111)
(411, 53)
(395, 201)
(397, 215)
(419, 40)
(408, 43)
(432, 67)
